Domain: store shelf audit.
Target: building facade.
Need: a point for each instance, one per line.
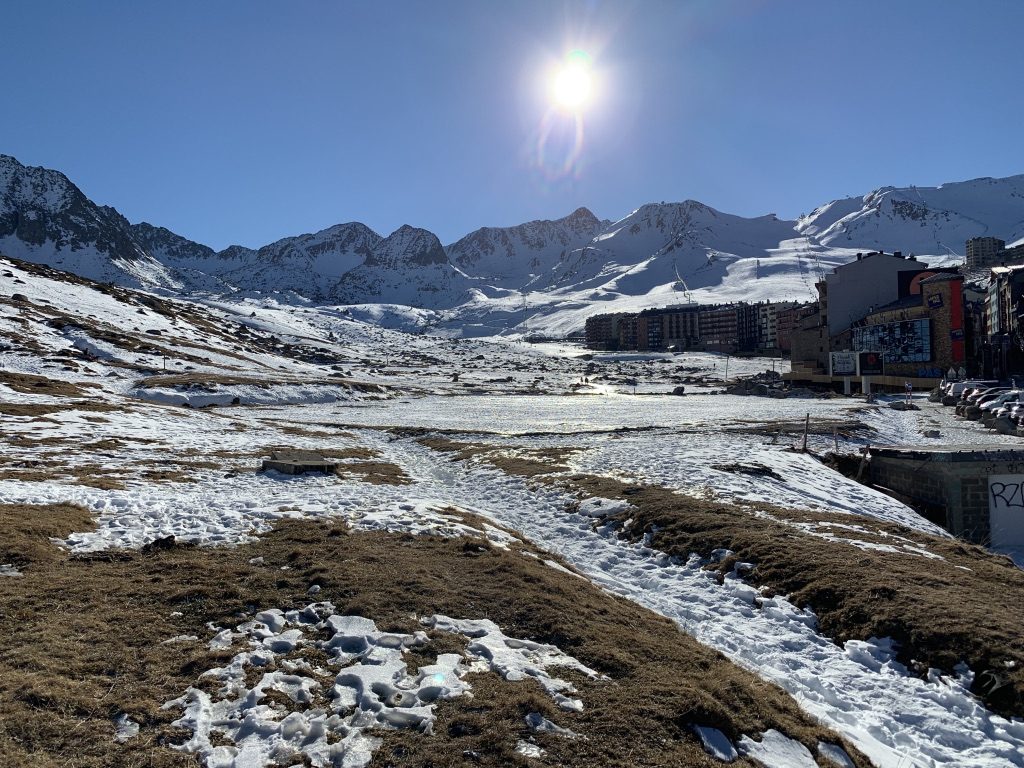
(860, 286)
(984, 252)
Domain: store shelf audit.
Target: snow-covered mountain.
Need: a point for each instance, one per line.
(545, 276)
(407, 267)
(922, 220)
(46, 219)
(513, 257)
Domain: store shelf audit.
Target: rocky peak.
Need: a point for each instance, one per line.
(407, 245)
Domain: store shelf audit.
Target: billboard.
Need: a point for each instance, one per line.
(843, 363)
(870, 363)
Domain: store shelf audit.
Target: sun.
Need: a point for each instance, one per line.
(572, 85)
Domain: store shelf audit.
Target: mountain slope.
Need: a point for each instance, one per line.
(46, 219)
(407, 267)
(923, 220)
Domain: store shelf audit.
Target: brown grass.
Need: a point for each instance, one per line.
(523, 462)
(28, 529)
(39, 409)
(180, 380)
(42, 385)
(83, 642)
(374, 472)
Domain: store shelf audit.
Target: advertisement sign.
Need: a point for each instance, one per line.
(843, 363)
(957, 334)
(935, 300)
(871, 364)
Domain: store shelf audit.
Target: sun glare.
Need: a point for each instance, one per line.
(572, 85)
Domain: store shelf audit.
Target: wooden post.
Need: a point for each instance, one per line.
(807, 426)
(835, 438)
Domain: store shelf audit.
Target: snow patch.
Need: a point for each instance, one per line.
(331, 712)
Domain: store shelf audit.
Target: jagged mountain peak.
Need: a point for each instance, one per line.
(515, 256)
(408, 245)
(659, 252)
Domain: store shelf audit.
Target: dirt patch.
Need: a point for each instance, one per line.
(846, 428)
(41, 385)
(519, 461)
(40, 409)
(168, 476)
(374, 472)
(194, 380)
(37, 471)
(64, 674)
(752, 470)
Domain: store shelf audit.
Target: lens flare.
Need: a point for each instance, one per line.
(559, 145)
(572, 85)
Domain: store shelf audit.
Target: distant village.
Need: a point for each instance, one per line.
(882, 315)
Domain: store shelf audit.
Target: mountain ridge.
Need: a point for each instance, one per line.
(564, 268)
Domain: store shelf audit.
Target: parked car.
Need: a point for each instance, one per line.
(956, 389)
(971, 408)
(988, 411)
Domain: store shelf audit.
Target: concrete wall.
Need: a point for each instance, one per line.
(953, 481)
(855, 288)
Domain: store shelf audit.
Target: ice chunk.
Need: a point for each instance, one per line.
(834, 755)
(776, 750)
(716, 743)
(125, 728)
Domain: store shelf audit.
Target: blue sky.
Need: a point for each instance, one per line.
(246, 121)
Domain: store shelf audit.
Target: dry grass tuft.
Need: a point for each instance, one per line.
(374, 472)
(30, 410)
(28, 529)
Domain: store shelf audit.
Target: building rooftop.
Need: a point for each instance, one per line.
(943, 277)
(914, 300)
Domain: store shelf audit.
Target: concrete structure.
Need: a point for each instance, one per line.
(628, 330)
(984, 252)
(855, 289)
(719, 329)
(788, 320)
(810, 347)
(649, 330)
(297, 462)
(959, 488)
(767, 334)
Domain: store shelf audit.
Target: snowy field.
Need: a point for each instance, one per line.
(518, 400)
